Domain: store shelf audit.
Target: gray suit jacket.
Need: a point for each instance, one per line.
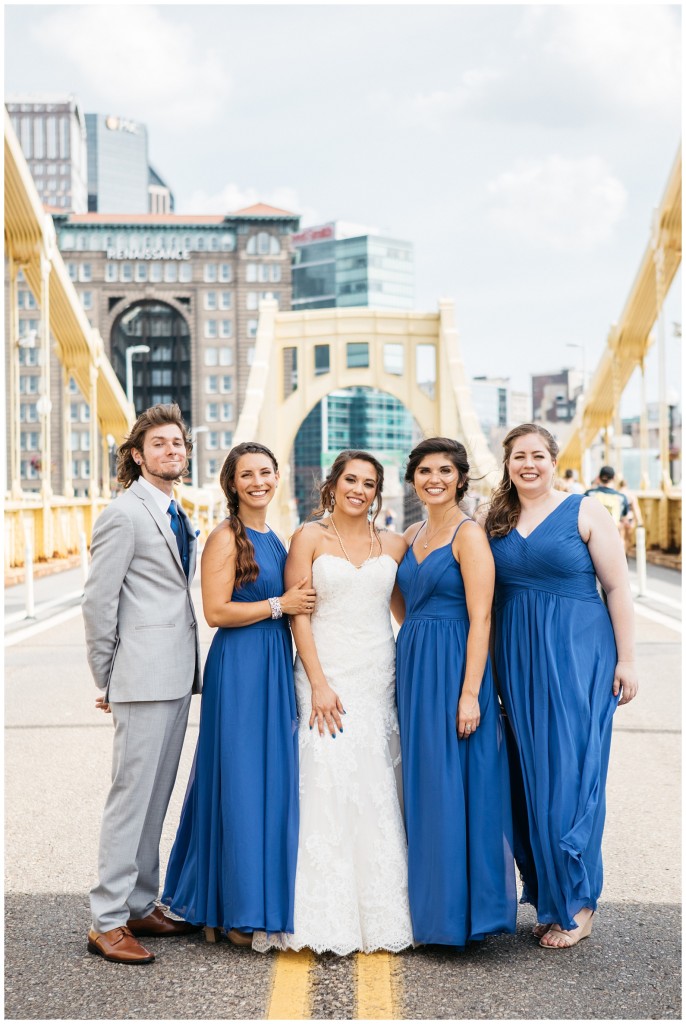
(141, 628)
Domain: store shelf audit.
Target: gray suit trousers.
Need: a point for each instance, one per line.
(148, 737)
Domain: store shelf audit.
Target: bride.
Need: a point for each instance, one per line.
(351, 877)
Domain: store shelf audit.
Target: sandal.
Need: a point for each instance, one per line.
(570, 938)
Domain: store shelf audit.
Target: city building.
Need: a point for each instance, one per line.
(120, 178)
(340, 264)
(554, 395)
(498, 408)
(52, 134)
(185, 287)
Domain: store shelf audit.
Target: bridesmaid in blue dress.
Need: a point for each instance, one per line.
(233, 862)
(564, 661)
(454, 761)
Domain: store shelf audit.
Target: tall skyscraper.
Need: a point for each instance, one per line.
(340, 264)
(52, 134)
(120, 179)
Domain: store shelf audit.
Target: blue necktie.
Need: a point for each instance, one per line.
(180, 533)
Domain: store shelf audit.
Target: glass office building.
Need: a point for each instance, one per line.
(345, 265)
(117, 165)
(52, 134)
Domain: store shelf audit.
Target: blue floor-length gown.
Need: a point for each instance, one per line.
(456, 792)
(233, 861)
(555, 656)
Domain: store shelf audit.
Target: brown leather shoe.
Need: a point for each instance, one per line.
(158, 925)
(120, 946)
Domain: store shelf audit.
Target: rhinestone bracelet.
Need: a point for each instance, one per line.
(275, 605)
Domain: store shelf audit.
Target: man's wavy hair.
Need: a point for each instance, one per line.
(128, 469)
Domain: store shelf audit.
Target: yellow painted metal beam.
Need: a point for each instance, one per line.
(30, 235)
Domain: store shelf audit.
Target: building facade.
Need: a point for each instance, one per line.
(188, 289)
(498, 408)
(554, 395)
(52, 134)
(339, 264)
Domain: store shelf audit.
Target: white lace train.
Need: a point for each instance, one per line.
(351, 878)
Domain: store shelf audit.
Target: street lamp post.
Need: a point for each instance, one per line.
(580, 402)
(131, 351)
(194, 461)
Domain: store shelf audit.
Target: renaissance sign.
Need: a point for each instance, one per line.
(135, 250)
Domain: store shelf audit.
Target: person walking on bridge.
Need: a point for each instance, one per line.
(143, 651)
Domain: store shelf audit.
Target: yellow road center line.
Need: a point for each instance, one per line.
(375, 995)
(290, 998)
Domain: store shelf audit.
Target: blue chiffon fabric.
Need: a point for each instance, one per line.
(456, 792)
(233, 861)
(555, 657)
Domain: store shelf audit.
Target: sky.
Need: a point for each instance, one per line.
(522, 149)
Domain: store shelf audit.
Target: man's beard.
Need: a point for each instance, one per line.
(168, 474)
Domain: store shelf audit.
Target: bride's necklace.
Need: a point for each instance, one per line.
(430, 537)
(371, 544)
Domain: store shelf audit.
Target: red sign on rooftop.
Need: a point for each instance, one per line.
(318, 234)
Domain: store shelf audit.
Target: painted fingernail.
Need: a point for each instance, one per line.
(341, 729)
(333, 735)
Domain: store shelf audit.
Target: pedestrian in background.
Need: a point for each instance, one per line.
(609, 497)
(232, 866)
(143, 651)
(564, 661)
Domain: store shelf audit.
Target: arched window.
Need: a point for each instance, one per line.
(263, 244)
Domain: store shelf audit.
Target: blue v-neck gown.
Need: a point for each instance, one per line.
(456, 792)
(555, 658)
(234, 857)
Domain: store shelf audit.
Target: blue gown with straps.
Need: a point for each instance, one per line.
(233, 861)
(456, 792)
(555, 657)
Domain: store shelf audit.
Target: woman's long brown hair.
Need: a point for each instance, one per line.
(504, 508)
(247, 569)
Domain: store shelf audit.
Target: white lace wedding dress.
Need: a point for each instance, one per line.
(351, 878)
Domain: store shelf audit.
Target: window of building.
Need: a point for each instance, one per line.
(227, 439)
(225, 300)
(263, 244)
(394, 359)
(227, 384)
(85, 272)
(156, 272)
(201, 243)
(75, 440)
(87, 300)
(251, 273)
(228, 242)
(73, 271)
(38, 138)
(185, 272)
(125, 272)
(227, 412)
(210, 328)
(75, 468)
(225, 272)
(251, 300)
(29, 440)
(211, 384)
(171, 272)
(250, 355)
(74, 411)
(85, 441)
(28, 384)
(161, 354)
(210, 300)
(274, 271)
(322, 360)
(161, 378)
(357, 354)
(85, 412)
(210, 273)
(85, 468)
(110, 272)
(251, 328)
(226, 356)
(212, 467)
(73, 387)
(29, 469)
(141, 271)
(29, 356)
(210, 357)
(212, 440)
(28, 412)
(225, 328)
(212, 412)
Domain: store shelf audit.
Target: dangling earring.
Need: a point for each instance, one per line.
(332, 501)
(509, 483)
(371, 510)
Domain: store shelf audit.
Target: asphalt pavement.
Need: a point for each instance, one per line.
(57, 761)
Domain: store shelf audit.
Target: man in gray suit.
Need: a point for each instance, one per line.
(143, 651)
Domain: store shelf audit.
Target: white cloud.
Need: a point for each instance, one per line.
(434, 108)
(158, 71)
(234, 197)
(558, 202)
(631, 53)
